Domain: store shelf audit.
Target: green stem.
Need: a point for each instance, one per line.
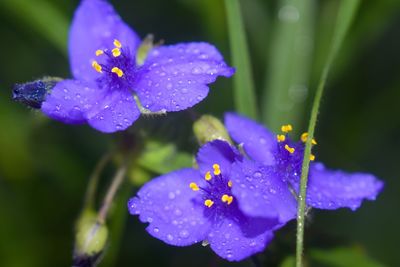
(244, 92)
(345, 15)
(94, 180)
(111, 192)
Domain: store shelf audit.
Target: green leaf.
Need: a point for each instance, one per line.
(343, 257)
(162, 158)
(42, 17)
(290, 57)
(244, 92)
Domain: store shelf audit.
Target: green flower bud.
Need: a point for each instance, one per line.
(90, 240)
(209, 128)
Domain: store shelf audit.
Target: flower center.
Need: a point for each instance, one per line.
(217, 191)
(116, 66)
(289, 156)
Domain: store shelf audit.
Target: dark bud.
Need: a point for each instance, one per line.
(32, 94)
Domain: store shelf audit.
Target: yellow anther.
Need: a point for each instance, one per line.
(312, 157)
(280, 137)
(286, 128)
(194, 186)
(217, 170)
(99, 52)
(117, 43)
(304, 138)
(208, 203)
(207, 176)
(227, 199)
(96, 66)
(230, 183)
(116, 52)
(117, 71)
(290, 149)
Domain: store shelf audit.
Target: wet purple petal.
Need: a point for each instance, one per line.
(175, 77)
(258, 142)
(170, 207)
(329, 189)
(116, 111)
(70, 100)
(261, 192)
(217, 152)
(239, 237)
(95, 26)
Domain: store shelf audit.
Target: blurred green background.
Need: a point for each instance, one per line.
(45, 165)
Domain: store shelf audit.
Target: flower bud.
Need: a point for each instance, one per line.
(32, 94)
(90, 240)
(209, 128)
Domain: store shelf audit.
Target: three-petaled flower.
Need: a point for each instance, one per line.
(235, 202)
(113, 73)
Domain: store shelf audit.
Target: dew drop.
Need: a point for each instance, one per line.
(257, 175)
(170, 237)
(184, 233)
(156, 230)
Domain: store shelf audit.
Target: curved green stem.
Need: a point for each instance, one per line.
(345, 15)
(94, 180)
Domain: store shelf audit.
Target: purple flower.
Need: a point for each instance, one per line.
(234, 202)
(111, 74)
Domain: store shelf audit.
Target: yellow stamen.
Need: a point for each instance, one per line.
(230, 183)
(207, 176)
(117, 71)
(116, 52)
(99, 52)
(217, 170)
(117, 43)
(280, 137)
(304, 138)
(290, 149)
(208, 203)
(227, 199)
(96, 66)
(286, 128)
(194, 186)
(312, 157)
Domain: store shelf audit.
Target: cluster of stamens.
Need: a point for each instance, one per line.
(209, 177)
(282, 138)
(115, 52)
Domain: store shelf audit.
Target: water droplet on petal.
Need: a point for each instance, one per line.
(184, 233)
(156, 230)
(170, 237)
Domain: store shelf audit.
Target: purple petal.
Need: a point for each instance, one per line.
(237, 238)
(261, 192)
(115, 112)
(175, 77)
(170, 207)
(70, 100)
(328, 189)
(258, 142)
(95, 26)
(217, 152)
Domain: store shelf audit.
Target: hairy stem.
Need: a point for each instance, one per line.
(111, 192)
(346, 13)
(94, 180)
